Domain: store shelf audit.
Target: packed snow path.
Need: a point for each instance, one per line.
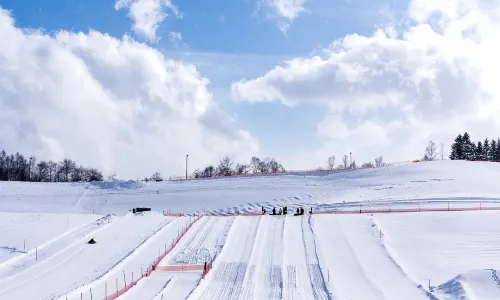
(226, 279)
(202, 243)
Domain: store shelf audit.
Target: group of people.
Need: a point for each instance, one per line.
(300, 211)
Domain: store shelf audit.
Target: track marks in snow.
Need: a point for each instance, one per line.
(203, 243)
(266, 279)
(377, 264)
(21, 263)
(114, 243)
(225, 281)
(341, 262)
(296, 283)
(315, 275)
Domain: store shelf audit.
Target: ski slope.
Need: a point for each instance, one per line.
(22, 233)
(421, 255)
(81, 263)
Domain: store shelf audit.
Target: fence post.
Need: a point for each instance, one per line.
(132, 276)
(106, 291)
(124, 281)
(116, 287)
(91, 294)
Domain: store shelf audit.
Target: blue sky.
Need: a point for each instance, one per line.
(230, 40)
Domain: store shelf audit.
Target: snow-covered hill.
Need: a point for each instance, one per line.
(425, 255)
(440, 180)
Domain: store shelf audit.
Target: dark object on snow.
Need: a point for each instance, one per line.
(140, 209)
(205, 267)
(274, 211)
(302, 211)
(311, 211)
(92, 241)
(284, 210)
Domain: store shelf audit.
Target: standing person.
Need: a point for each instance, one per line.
(301, 210)
(274, 210)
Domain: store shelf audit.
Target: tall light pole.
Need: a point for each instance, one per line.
(187, 166)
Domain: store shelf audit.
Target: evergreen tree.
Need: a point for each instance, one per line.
(497, 157)
(479, 151)
(493, 150)
(457, 148)
(467, 147)
(486, 149)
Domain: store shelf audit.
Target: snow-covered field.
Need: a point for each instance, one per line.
(421, 255)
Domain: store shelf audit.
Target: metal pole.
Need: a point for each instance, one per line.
(187, 166)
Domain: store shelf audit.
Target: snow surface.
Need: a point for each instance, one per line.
(424, 255)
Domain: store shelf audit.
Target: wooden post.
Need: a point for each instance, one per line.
(132, 276)
(106, 291)
(91, 298)
(124, 281)
(116, 287)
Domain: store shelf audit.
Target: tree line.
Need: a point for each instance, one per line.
(16, 167)
(464, 149)
(226, 167)
(350, 163)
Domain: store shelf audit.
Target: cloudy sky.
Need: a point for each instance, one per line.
(132, 86)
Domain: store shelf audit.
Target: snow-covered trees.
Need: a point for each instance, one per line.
(464, 149)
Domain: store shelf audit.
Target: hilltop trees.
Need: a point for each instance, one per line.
(15, 167)
(464, 149)
(225, 167)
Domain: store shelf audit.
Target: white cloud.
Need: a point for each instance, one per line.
(115, 104)
(176, 40)
(390, 92)
(148, 15)
(284, 11)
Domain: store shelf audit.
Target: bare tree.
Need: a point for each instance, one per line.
(43, 172)
(345, 161)
(156, 177)
(241, 169)
(255, 165)
(225, 167)
(367, 165)
(112, 177)
(430, 151)
(331, 162)
(379, 161)
(67, 167)
(441, 151)
(209, 171)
